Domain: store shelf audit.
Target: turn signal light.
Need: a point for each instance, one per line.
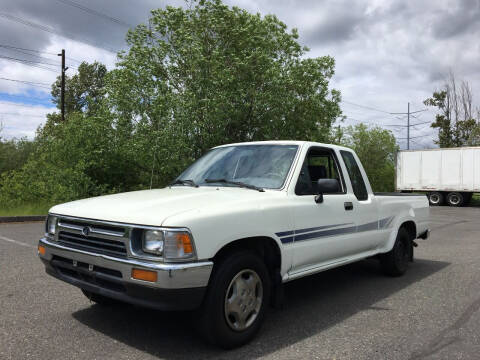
(145, 275)
(41, 250)
(184, 243)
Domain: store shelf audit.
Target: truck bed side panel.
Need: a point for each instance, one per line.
(401, 209)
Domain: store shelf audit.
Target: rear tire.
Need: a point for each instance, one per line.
(226, 301)
(455, 199)
(396, 261)
(100, 299)
(435, 198)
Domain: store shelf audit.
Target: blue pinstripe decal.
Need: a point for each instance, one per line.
(344, 230)
(284, 233)
(310, 233)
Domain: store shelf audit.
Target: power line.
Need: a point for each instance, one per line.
(422, 123)
(366, 107)
(28, 51)
(411, 137)
(24, 49)
(26, 82)
(53, 31)
(95, 12)
(40, 57)
(411, 125)
(28, 62)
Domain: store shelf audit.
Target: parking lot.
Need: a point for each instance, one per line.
(352, 312)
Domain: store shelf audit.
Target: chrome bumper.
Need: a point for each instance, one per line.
(170, 276)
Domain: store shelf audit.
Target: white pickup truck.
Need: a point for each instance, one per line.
(229, 231)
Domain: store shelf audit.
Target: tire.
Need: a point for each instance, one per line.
(435, 198)
(100, 299)
(455, 199)
(219, 323)
(396, 261)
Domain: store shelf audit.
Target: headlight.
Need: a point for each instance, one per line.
(152, 242)
(51, 224)
(171, 245)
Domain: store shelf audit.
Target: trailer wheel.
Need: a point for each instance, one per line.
(435, 198)
(455, 199)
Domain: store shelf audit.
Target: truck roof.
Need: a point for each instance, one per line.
(285, 142)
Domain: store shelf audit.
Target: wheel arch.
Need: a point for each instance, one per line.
(266, 247)
(406, 222)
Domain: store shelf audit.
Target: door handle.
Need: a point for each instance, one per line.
(348, 205)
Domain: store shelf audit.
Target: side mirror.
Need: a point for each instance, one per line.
(325, 186)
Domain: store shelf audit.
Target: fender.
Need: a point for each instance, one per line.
(400, 219)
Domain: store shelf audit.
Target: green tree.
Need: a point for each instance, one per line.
(14, 153)
(198, 77)
(455, 121)
(84, 91)
(376, 149)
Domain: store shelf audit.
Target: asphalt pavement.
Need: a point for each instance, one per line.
(353, 312)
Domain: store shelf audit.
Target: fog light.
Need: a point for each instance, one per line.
(145, 275)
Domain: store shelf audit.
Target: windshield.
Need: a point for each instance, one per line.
(264, 166)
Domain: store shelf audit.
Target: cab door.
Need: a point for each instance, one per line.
(323, 231)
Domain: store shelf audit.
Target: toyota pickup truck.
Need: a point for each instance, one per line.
(225, 235)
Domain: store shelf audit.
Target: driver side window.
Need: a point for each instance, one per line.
(319, 164)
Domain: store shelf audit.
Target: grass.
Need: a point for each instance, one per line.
(475, 200)
(26, 209)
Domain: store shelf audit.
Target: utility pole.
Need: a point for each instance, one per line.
(408, 126)
(408, 113)
(62, 105)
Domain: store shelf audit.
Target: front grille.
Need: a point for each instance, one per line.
(98, 238)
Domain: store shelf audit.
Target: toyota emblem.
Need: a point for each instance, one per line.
(86, 230)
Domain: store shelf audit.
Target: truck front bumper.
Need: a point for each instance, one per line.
(179, 286)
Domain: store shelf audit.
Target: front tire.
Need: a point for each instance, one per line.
(396, 261)
(236, 299)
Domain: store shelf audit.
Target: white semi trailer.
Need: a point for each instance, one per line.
(448, 175)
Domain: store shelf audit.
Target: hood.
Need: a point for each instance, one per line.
(153, 207)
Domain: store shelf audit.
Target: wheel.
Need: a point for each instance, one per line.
(234, 305)
(395, 262)
(435, 198)
(455, 199)
(100, 299)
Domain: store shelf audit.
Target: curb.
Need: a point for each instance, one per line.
(9, 219)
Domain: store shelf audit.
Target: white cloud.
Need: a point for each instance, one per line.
(21, 120)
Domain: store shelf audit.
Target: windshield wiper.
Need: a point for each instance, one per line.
(183, 182)
(237, 183)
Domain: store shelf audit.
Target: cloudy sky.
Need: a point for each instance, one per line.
(388, 53)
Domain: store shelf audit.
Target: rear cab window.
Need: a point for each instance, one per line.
(356, 178)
